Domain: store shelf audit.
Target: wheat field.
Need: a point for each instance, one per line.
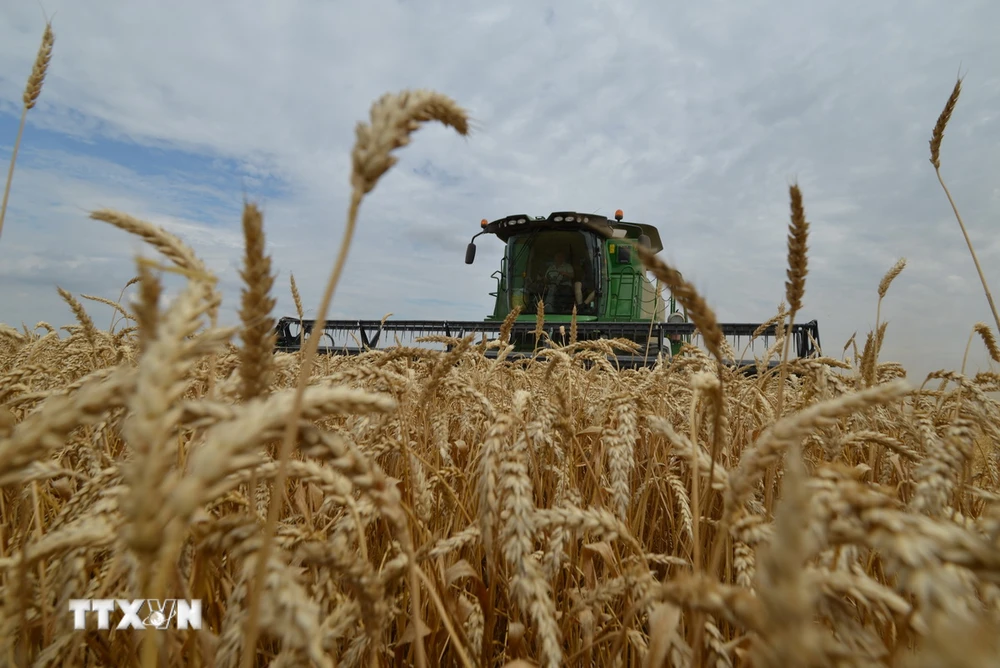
(425, 507)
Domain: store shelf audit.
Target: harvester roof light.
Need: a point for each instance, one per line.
(483, 223)
(521, 221)
(619, 214)
(558, 219)
(569, 219)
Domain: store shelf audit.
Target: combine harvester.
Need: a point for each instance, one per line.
(564, 260)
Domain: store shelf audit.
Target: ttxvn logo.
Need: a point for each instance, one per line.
(141, 613)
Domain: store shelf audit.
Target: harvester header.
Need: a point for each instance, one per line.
(577, 266)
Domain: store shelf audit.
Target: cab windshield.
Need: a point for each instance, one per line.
(555, 267)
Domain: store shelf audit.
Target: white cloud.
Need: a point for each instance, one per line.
(694, 118)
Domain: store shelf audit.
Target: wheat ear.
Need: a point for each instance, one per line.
(147, 309)
(393, 119)
(701, 313)
(298, 308)
(989, 340)
(258, 335)
(31, 93)
(170, 246)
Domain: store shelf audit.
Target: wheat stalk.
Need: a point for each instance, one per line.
(393, 119)
(31, 93)
(935, 143)
(798, 233)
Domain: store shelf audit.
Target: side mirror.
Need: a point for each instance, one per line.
(644, 241)
(470, 253)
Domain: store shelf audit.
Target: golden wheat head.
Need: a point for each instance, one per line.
(393, 119)
(942, 122)
(798, 232)
(40, 68)
(688, 296)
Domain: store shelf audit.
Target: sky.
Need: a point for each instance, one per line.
(694, 117)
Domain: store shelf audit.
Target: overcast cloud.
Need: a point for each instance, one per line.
(694, 117)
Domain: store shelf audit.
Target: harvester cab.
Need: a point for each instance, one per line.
(564, 262)
(606, 279)
(575, 260)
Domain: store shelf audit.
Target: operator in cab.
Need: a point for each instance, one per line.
(559, 275)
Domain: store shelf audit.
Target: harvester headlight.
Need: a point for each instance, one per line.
(558, 219)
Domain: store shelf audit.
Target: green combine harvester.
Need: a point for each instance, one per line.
(566, 260)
